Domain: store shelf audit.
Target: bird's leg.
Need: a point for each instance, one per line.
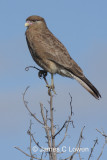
(42, 74)
(52, 82)
(51, 87)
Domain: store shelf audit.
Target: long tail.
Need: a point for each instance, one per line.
(83, 81)
(88, 86)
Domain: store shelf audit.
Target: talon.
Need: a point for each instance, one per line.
(49, 91)
(47, 86)
(51, 87)
(53, 90)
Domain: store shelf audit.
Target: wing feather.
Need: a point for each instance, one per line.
(46, 46)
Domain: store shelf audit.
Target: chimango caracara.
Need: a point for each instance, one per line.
(51, 55)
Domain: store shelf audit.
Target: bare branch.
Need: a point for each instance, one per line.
(44, 75)
(50, 145)
(27, 68)
(71, 104)
(30, 139)
(105, 136)
(45, 122)
(46, 114)
(45, 126)
(79, 141)
(52, 126)
(37, 143)
(102, 133)
(26, 105)
(27, 154)
(50, 130)
(101, 151)
(66, 122)
(65, 133)
(78, 144)
(42, 154)
(92, 149)
(61, 128)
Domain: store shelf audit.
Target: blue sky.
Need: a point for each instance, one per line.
(82, 27)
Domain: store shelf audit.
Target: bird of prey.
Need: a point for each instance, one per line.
(51, 55)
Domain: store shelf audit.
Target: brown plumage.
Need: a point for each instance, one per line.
(50, 54)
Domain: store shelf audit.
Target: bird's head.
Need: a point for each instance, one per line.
(35, 20)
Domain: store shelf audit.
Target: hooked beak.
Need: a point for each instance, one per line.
(27, 24)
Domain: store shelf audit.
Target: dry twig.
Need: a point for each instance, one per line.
(92, 149)
(28, 154)
(26, 105)
(105, 136)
